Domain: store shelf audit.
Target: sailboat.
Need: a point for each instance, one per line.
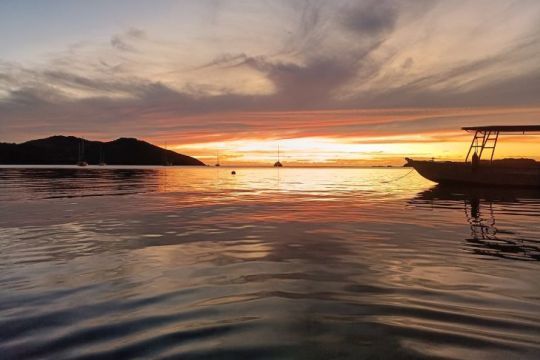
(80, 160)
(217, 159)
(167, 162)
(101, 158)
(278, 163)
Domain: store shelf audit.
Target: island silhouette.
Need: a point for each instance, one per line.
(66, 150)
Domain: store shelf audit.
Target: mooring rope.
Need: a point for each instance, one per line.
(399, 178)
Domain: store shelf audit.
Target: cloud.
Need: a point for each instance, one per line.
(125, 41)
(372, 17)
(118, 43)
(226, 60)
(341, 56)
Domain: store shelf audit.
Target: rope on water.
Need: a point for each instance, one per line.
(399, 178)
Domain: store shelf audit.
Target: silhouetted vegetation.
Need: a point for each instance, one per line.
(63, 150)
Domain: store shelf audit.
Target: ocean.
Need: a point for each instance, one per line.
(270, 263)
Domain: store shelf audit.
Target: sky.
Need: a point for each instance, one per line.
(331, 82)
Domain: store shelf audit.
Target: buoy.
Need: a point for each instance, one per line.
(233, 172)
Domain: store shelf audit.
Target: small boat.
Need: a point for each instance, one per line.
(217, 159)
(166, 161)
(80, 159)
(489, 172)
(278, 163)
(101, 158)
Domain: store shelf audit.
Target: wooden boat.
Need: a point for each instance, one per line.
(505, 172)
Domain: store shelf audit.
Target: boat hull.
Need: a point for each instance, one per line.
(485, 174)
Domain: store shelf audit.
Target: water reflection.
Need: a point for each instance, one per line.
(480, 207)
(276, 263)
(50, 182)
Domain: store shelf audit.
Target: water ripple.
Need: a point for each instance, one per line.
(290, 263)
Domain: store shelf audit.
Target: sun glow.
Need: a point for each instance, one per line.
(343, 137)
(351, 151)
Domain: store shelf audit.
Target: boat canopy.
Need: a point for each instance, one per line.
(485, 137)
(504, 128)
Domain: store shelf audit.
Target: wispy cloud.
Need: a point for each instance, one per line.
(309, 76)
(124, 41)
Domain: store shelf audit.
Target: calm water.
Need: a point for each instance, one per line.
(195, 263)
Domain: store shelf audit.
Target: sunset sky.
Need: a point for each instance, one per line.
(331, 82)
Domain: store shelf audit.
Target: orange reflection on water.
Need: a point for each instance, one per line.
(290, 194)
(187, 258)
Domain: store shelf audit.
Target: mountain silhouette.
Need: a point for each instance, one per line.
(64, 150)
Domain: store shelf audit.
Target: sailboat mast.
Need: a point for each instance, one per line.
(217, 158)
(80, 160)
(166, 154)
(81, 151)
(278, 162)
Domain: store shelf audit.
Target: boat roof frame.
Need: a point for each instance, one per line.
(486, 137)
(504, 128)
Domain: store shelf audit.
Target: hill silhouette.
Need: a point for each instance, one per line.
(64, 150)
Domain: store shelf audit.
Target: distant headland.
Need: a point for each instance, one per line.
(69, 150)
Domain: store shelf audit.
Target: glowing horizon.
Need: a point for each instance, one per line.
(340, 83)
(371, 147)
(330, 152)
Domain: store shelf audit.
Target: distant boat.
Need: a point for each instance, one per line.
(278, 163)
(101, 157)
(80, 159)
(166, 162)
(217, 159)
(504, 172)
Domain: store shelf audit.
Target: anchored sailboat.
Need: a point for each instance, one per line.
(166, 157)
(505, 172)
(80, 159)
(101, 157)
(217, 159)
(278, 163)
